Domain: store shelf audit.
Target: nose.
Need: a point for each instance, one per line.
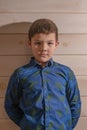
(43, 46)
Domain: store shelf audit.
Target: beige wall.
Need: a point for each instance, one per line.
(15, 19)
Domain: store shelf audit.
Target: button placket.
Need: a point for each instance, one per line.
(45, 95)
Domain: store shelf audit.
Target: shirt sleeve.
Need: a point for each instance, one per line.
(73, 96)
(12, 98)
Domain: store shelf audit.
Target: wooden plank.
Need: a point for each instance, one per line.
(8, 125)
(82, 124)
(3, 114)
(75, 62)
(67, 23)
(9, 63)
(14, 45)
(17, 27)
(17, 44)
(82, 84)
(84, 106)
(45, 6)
(72, 44)
(3, 85)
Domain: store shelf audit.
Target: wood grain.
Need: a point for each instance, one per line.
(72, 23)
(17, 44)
(55, 6)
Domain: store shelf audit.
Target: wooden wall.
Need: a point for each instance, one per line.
(15, 19)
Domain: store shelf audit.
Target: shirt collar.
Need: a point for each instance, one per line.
(33, 62)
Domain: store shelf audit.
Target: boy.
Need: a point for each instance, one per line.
(43, 95)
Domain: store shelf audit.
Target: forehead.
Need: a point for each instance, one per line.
(42, 36)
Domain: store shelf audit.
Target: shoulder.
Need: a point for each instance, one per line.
(62, 66)
(64, 69)
(21, 71)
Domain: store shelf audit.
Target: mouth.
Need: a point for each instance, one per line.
(43, 55)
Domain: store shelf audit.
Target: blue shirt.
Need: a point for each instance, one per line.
(46, 98)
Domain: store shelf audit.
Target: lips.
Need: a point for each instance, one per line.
(43, 54)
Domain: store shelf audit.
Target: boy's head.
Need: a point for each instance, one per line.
(45, 26)
(43, 40)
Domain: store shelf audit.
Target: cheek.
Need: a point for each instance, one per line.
(34, 48)
(53, 49)
(35, 51)
(51, 52)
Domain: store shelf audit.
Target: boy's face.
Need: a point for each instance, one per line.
(43, 47)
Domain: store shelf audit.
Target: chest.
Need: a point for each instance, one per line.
(44, 80)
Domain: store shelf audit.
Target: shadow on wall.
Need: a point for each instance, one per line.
(13, 39)
(14, 50)
(21, 27)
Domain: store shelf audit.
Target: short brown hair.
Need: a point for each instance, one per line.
(45, 26)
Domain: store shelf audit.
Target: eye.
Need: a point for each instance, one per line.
(50, 43)
(37, 43)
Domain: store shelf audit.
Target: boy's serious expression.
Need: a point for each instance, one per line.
(43, 47)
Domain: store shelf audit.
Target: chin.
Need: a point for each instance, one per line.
(44, 60)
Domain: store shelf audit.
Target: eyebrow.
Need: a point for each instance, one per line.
(42, 41)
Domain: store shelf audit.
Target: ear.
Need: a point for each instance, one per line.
(57, 44)
(29, 43)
